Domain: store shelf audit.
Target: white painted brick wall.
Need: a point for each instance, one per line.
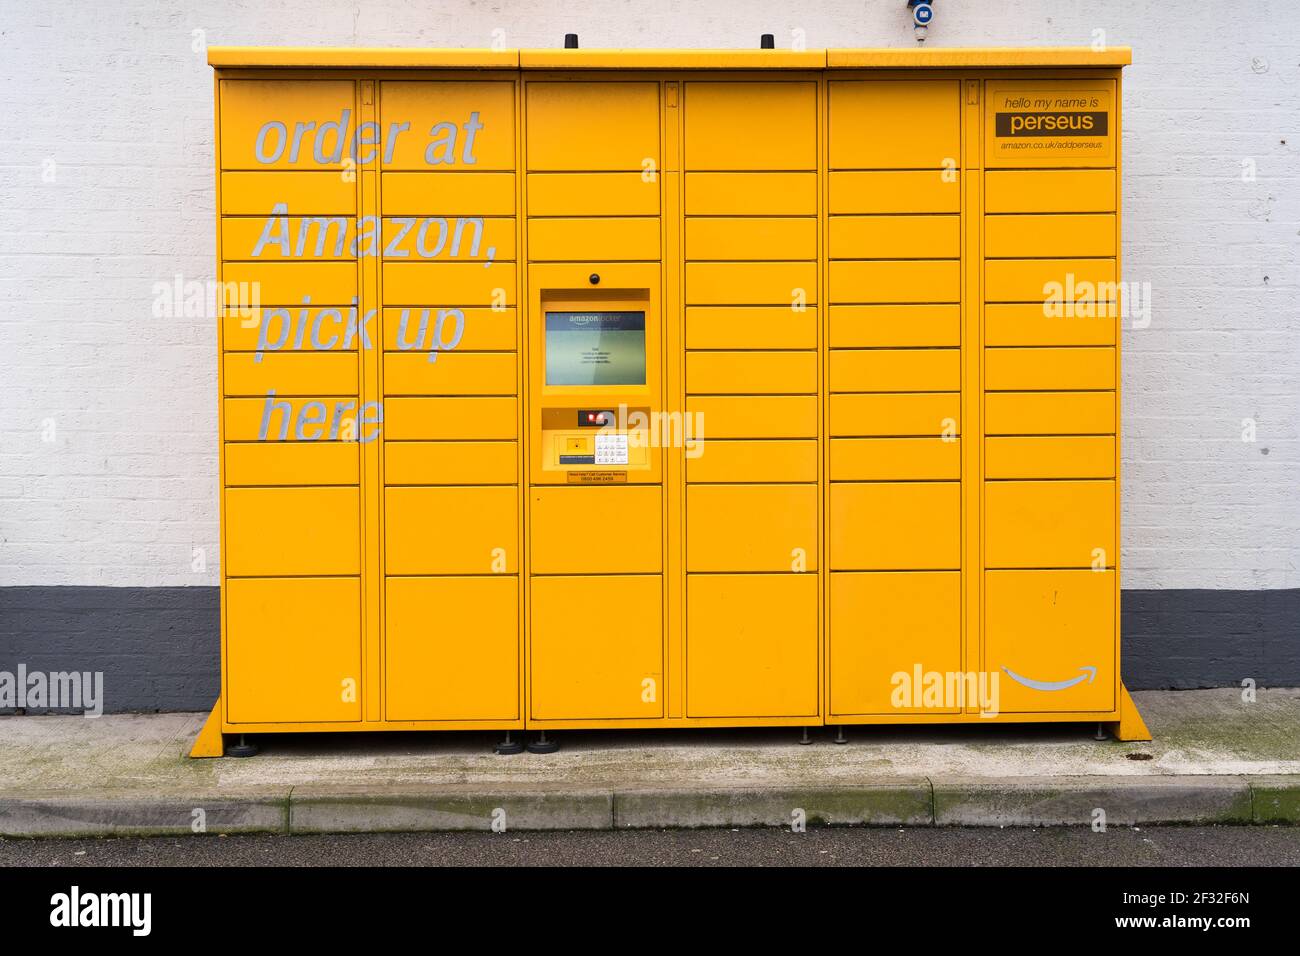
(114, 95)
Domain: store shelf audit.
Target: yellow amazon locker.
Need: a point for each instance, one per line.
(591, 389)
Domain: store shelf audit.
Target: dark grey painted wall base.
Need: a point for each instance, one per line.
(158, 647)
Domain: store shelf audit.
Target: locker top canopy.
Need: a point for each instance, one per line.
(562, 59)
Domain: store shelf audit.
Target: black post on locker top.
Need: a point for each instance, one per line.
(571, 41)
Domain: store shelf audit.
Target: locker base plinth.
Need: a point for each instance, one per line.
(210, 742)
(1130, 725)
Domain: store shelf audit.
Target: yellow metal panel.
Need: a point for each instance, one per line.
(1039, 235)
(449, 238)
(452, 648)
(487, 330)
(729, 126)
(723, 535)
(291, 463)
(1040, 280)
(293, 650)
(301, 124)
(889, 630)
(303, 194)
(1050, 456)
(1049, 413)
(577, 667)
(453, 125)
(454, 373)
(625, 59)
(751, 645)
(890, 326)
(750, 327)
(911, 280)
(309, 238)
(1050, 524)
(451, 530)
(751, 194)
(921, 413)
(354, 56)
(372, 561)
(450, 418)
(449, 283)
(592, 194)
(895, 370)
(297, 419)
(451, 462)
(695, 59)
(241, 329)
(588, 530)
(597, 59)
(448, 194)
(209, 742)
(894, 124)
(1050, 190)
(895, 237)
(750, 238)
(290, 373)
(1130, 726)
(1027, 324)
(1007, 369)
(894, 459)
(756, 416)
(747, 373)
(750, 283)
(578, 240)
(592, 126)
(290, 283)
(292, 531)
(903, 525)
(985, 57)
(768, 461)
(1051, 628)
(894, 191)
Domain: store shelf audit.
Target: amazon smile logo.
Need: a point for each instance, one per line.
(1087, 673)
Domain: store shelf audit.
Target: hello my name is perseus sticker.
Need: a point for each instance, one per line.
(1046, 125)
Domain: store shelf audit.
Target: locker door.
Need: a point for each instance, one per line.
(597, 647)
(293, 649)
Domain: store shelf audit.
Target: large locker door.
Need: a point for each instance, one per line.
(752, 296)
(1051, 370)
(291, 405)
(895, 501)
(451, 372)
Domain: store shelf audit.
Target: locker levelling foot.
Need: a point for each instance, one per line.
(804, 738)
(543, 746)
(242, 749)
(508, 746)
(839, 735)
(1101, 732)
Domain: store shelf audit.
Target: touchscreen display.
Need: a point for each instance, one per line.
(595, 348)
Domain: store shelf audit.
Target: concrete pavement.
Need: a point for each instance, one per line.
(1214, 759)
